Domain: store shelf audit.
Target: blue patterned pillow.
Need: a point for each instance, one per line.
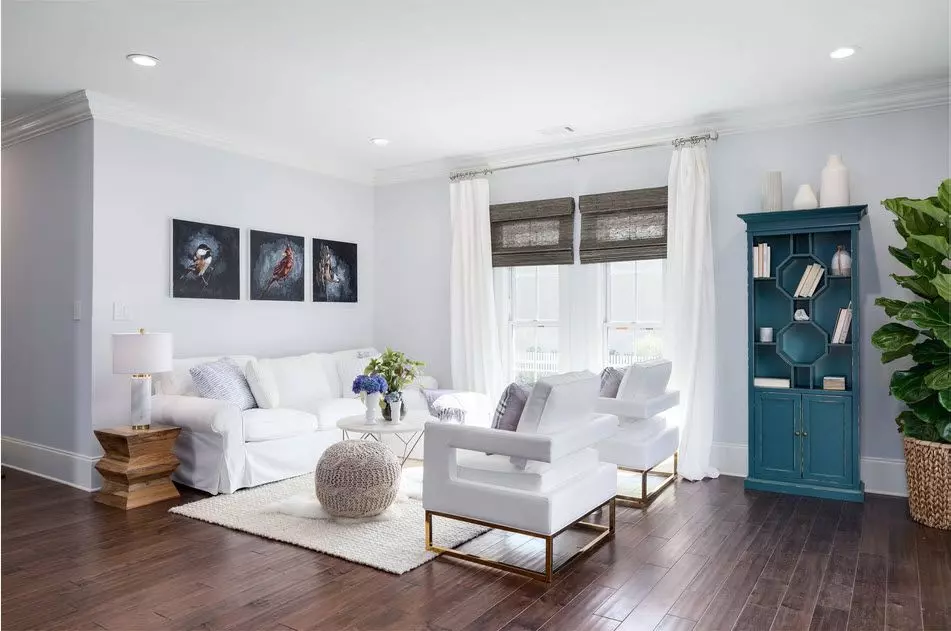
(223, 380)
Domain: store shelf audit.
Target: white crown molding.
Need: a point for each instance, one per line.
(68, 110)
(86, 104)
(909, 96)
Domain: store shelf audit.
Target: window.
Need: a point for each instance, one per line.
(533, 322)
(633, 311)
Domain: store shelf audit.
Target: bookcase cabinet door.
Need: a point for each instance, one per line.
(827, 439)
(776, 439)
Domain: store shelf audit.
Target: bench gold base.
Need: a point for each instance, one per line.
(646, 499)
(606, 532)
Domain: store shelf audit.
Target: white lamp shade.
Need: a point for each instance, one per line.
(141, 353)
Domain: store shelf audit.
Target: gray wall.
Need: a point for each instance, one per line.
(142, 181)
(903, 153)
(47, 266)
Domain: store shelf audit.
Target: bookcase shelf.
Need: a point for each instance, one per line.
(804, 439)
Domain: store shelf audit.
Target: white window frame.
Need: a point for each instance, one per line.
(636, 325)
(512, 325)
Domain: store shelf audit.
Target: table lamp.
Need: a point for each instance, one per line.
(140, 354)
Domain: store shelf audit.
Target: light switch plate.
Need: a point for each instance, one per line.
(120, 311)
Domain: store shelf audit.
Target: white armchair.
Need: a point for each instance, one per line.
(643, 440)
(540, 480)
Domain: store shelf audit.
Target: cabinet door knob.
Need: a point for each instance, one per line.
(805, 434)
(797, 434)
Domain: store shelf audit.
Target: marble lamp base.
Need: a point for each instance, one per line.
(141, 401)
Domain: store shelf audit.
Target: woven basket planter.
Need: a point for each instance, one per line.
(928, 470)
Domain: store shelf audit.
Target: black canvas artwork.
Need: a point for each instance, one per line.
(335, 271)
(205, 260)
(276, 266)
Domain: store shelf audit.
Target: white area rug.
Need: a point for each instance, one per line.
(288, 511)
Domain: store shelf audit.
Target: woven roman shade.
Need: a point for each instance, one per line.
(533, 233)
(624, 226)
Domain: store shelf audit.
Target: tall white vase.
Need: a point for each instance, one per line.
(373, 407)
(773, 191)
(834, 188)
(805, 198)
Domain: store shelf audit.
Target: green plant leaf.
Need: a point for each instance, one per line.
(921, 287)
(928, 267)
(942, 284)
(930, 316)
(893, 336)
(930, 410)
(905, 417)
(914, 427)
(944, 398)
(928, 207)
(890, 356)
(931, 352)
(944, 195)
(936, 242)
(939, 378)
(904, 256)
(945, 432)
(909, 385)
(891, 306)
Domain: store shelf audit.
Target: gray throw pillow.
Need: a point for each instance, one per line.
(510, 407)
(223, 380)
(610, 381)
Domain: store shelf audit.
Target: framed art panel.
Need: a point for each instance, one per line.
(335, 271)
(276, 267)
(205, 260)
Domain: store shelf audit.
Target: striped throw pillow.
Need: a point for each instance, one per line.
(223, 380)
(610, 381)
(509, 409)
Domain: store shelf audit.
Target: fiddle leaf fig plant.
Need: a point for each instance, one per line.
(922, 330)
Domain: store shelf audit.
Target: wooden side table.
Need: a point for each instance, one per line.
(137, 467)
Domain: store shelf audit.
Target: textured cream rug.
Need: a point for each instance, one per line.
(288, 511)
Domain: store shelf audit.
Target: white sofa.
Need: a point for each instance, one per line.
(223, 449)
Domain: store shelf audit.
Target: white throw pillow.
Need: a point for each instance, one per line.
(645, 380)
(263, 385)
(350, 364)
(303, 379)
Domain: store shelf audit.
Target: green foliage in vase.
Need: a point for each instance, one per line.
(394, 366)
(922, 330)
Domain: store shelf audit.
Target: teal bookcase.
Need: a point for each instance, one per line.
(804, 440)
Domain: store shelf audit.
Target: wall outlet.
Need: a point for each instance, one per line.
(120, 312)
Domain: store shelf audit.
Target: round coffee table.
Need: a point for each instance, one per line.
(409, 430)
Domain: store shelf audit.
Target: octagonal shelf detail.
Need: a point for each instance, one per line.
(801, 343)
(790, 271)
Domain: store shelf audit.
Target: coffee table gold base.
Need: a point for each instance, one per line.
(606, 532)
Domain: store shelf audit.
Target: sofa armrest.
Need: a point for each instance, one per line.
(441, 438)
(197, 414)
(638, 408)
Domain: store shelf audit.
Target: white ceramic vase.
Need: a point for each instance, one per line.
(373, 406)
(805, 198)
(396, 409)
(834, 187)
(841, 262)
(773, 191)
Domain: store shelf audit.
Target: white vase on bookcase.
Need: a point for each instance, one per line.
(805, 198)
(773, 191)
(834, 187)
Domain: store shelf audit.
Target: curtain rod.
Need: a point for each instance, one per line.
(676, 142)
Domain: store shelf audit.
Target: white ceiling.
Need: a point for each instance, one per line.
(445, 78)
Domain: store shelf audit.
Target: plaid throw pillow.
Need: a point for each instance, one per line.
(610, 381)
(510, 407)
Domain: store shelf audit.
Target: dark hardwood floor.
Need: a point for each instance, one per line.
(704, 556)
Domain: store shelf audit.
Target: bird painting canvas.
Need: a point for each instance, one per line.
(335, 271)
(277, 266)
(205, 260)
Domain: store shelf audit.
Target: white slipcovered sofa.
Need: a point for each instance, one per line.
(223, 449)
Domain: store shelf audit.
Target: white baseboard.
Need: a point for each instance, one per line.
(58, 465)
(885, 476)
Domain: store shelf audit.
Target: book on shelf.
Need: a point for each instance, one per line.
(802, 281)
(808, 275)
(833, 383)
(761, 260)
(817, 273)
(770, 382)
(843, 324)
(768, 256)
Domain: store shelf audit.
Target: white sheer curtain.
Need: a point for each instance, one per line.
(474, 334)
(689, 309)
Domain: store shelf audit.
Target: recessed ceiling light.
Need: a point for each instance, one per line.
(842, 53)
(380, 142)
(143, 60)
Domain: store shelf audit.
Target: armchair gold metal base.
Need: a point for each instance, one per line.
(646, 499)
(606, 532)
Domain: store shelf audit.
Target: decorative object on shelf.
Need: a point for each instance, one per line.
(800, 315)
(205, 260)
(276, 267)
(373, 387)
(137, 465)
(805, 198)
(335, 271)
(841, 262)
(834, 184)
(833, 383)
(766, 334)
(773, 191)
(803, 434)
(399, 371)
(761, 261)
(140, 354)
(393, 412)
(921, 330)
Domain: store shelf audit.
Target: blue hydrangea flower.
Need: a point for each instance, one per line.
(369, 384)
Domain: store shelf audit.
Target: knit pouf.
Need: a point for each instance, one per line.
(357, 478)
